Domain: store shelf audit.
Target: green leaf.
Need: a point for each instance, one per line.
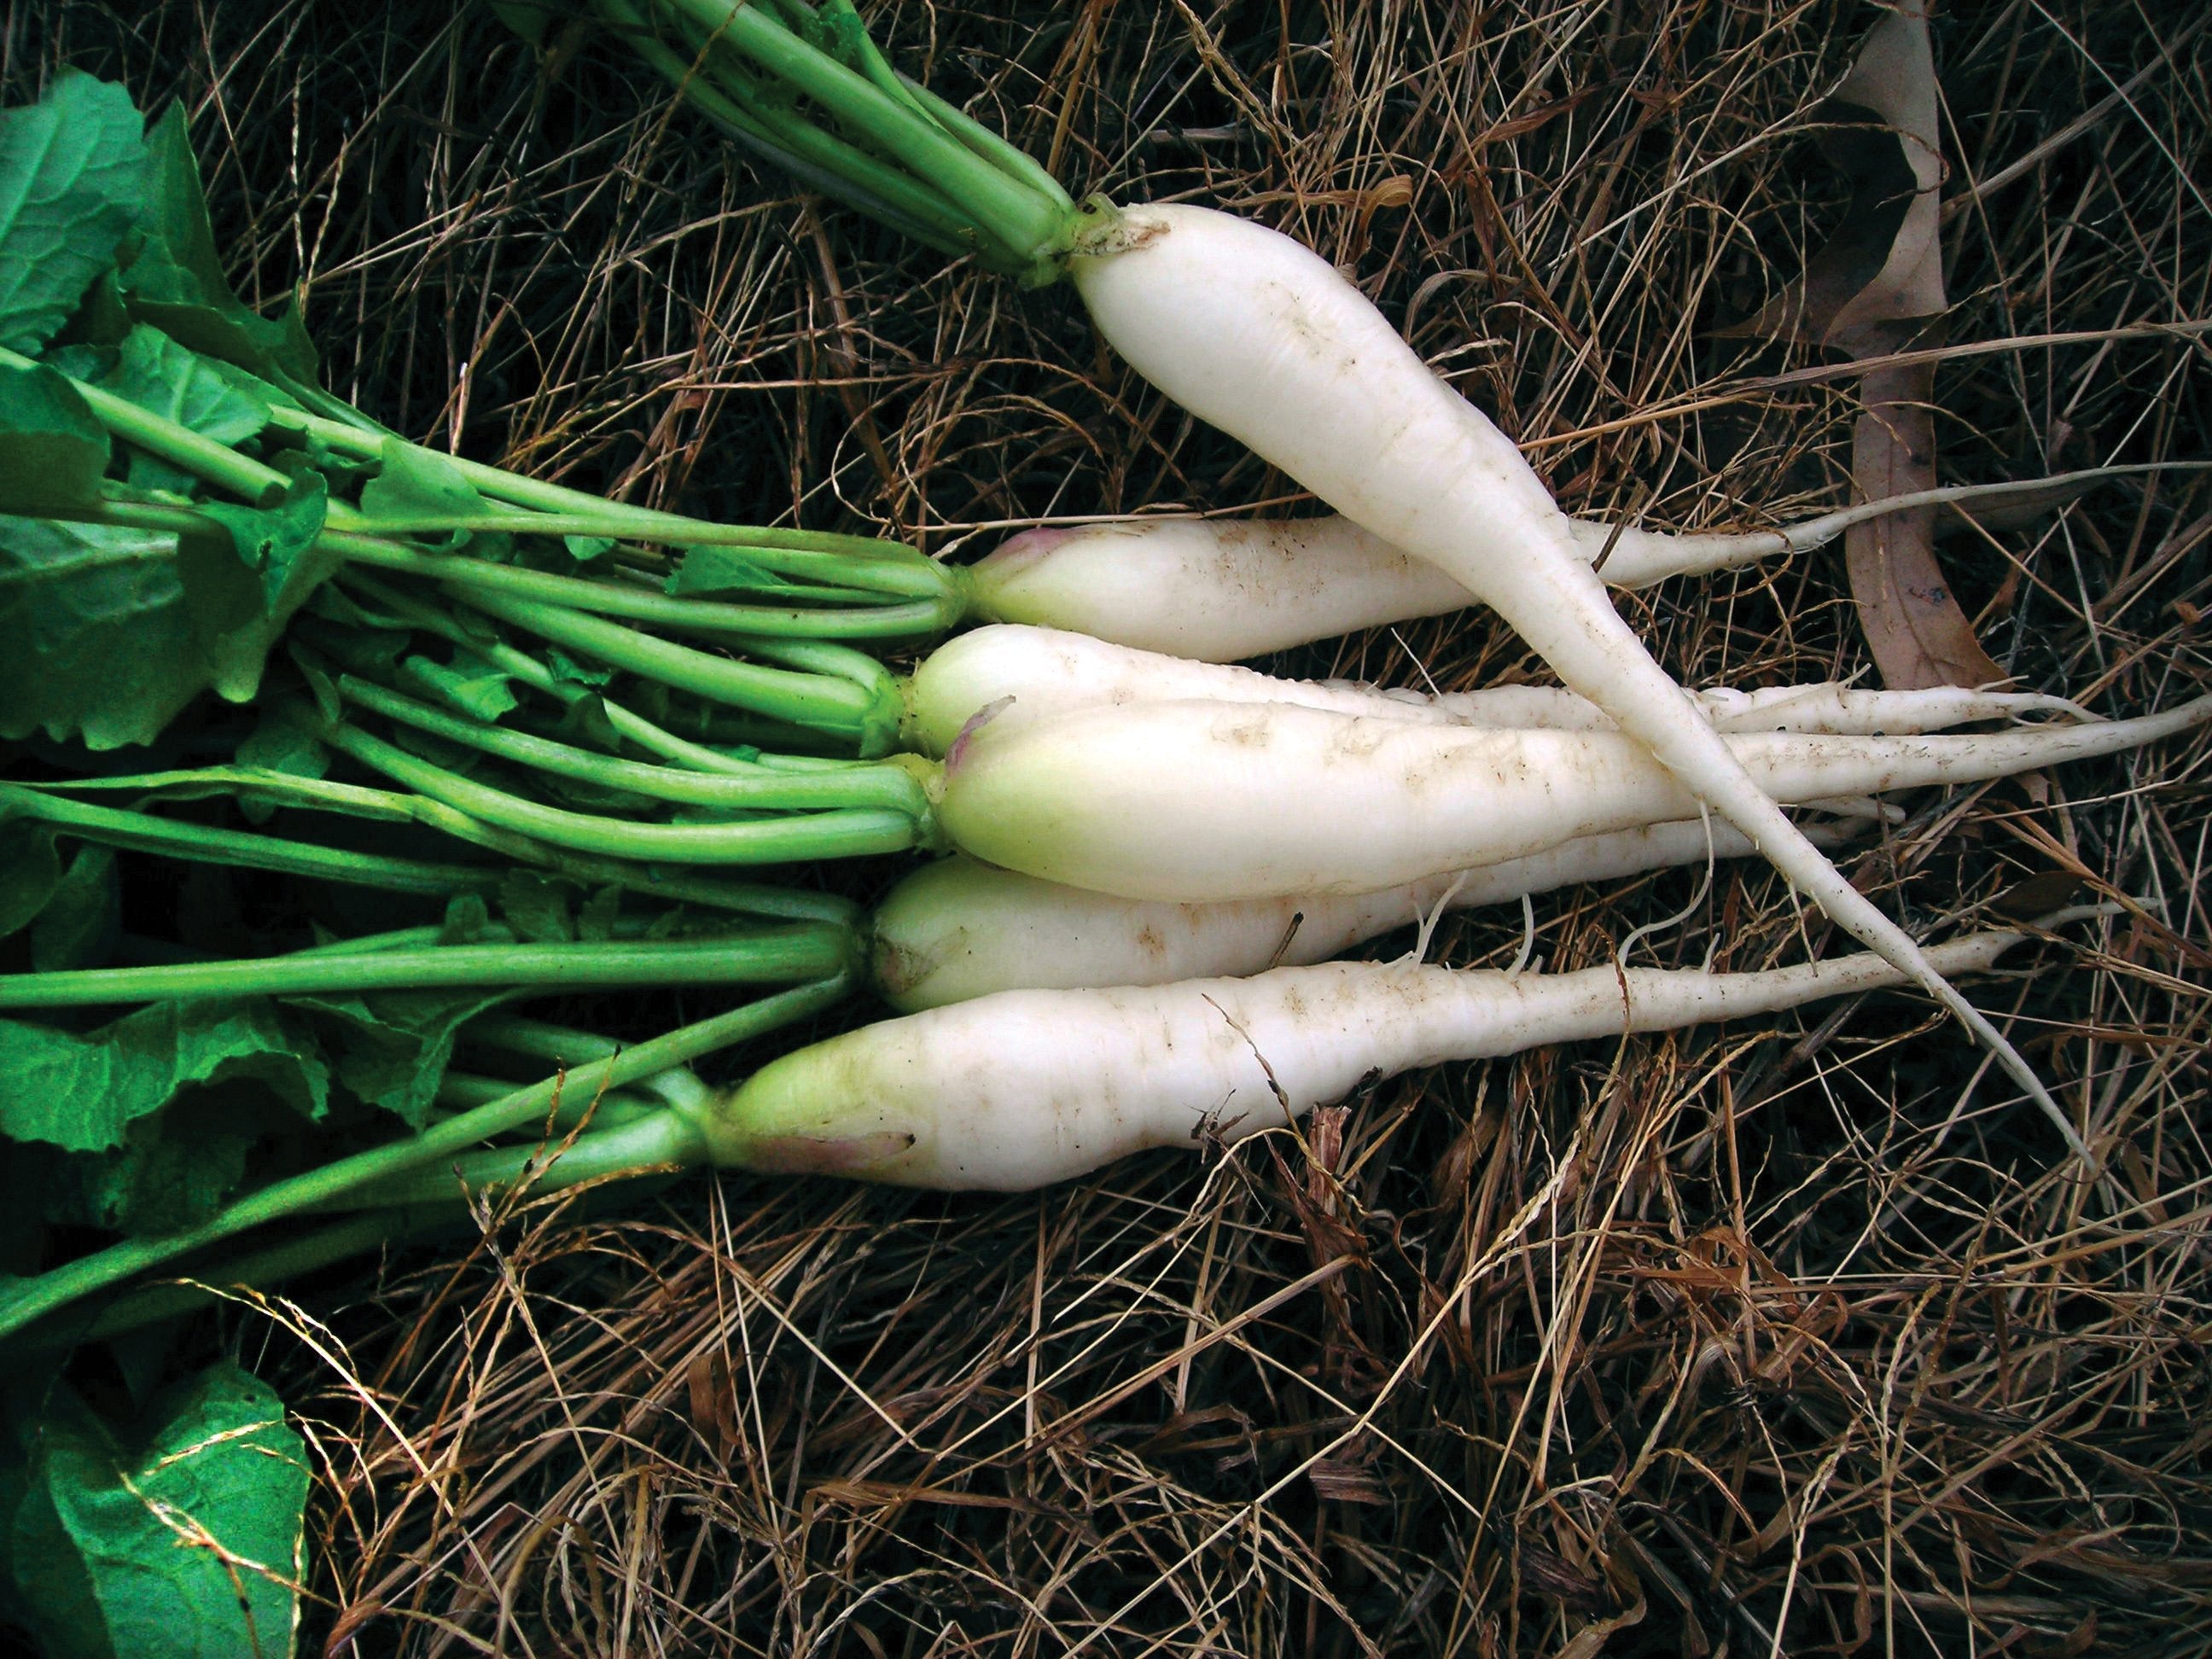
(110, 632)
(30, 870)
(82, 1092)
(177, 281)
(270, 540)
(174, 1170)
(720, 570)
(537, 907)
(52, 1592)
(279, 743)
(399, 1043)
(595, 920)
(566, 670)
(413, 483)
(101, 318)
(188, 1545)
(80, 919)
(584, 721)
(468, 684)
(99, 646)
(467, 921)
(52, 450)
(531, 19)
(156, 373)
(71, 168)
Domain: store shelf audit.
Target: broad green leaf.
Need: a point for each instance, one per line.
(585, 720)
(30, 870)
(71, 168)
(101, 317)
(236, 656)
(83, 1092)
(177, 281)
(279, 743)
(584, 549)
(595, 918)
(80, 921)
(467, 921)
(568, 672)
(99, 647)
(399, 1043)
(51, 1591)
(174, 1170)
(156, 373)
(531, 19)
(271, 540)
(110, 632)
(52, 450)
(188, 1545)
(413, 483)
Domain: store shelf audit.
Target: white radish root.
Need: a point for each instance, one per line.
(1026, 1088)
(1225, 589)
(1261, 337)
(1198, 802)
(960, 928)
(1046, 671)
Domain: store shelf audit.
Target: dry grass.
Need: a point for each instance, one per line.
(1796, 1339)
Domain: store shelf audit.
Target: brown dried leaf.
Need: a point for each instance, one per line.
(1882, 272)
(1914, 628)
(1884, 263)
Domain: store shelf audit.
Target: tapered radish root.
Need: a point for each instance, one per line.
(1026, 1088)
(1037, 671)
(1262, 337)
(960, 928)
(1225, 589)
(1196, 801)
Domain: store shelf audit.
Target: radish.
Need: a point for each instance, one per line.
(1264, 339)
(1025, 1088)
(1198, 802)
(1186, 800)
(1195, 879)
(960, 928)
(1225, 589)
(1042, 671)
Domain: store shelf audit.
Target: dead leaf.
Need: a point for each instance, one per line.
(1915, 628)
(1871, 291)
(2036, 896)
(1884, 262)
(713, 1402)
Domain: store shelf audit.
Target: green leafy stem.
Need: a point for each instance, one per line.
(26, 1302)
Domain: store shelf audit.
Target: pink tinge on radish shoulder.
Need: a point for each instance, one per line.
(828, 1155)
(1017, 553)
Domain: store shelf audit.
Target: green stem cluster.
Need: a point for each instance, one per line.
(804, 85)
(26, 1302)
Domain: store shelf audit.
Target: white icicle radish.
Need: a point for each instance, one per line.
(1025, 1088)
(1223, 589)
(961, 929)
(1208, 801)
(1263, 338)
(1037, 671)
(1226, 589)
